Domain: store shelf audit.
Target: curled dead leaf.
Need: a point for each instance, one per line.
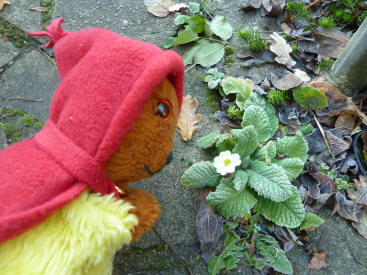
(345, 208)
(332, 42)
(253, 5)
(318, 261)
(177, 7)
(3, 3)
(360, 195)
(188, 118)
(158, 8)
(285, 80)
(361, 225)
(282, 50)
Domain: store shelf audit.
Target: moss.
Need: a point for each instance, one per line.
(12, 132)
(229, 51)
(30, 121)
(212, 99)
(159, 266)
(50, 5)
(229, 60)
(13, 34)
(7, 112)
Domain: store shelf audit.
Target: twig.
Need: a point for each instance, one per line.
(313, 3)
(322, 133)
(322, 239)
(352, 253)
(190, 67)
(291, 35)
(221, 41)
(24, 99)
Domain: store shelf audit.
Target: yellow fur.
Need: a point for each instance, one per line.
(80, 238)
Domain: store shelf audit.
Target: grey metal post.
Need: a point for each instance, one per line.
(350, 69)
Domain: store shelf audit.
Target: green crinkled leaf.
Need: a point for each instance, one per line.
(289, 213)
(180, 19)
(293, 146)
(224, 144)
(292, 166)
(194, 7)
(204, 53)
(210, 140)
(269, 181)
(242, 87)
(221, 27)
(271, 149)
(196, 23)
(246, 141)
(309, 97)
(240, 180)
(311, 220)
(258, 100)
(256, 116)
(229, 202)
(201, 174)
(185, 36)
(306, 129)
(260, 154)
(273, 255)
(245, 162)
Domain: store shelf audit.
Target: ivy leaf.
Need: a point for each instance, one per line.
(204, 53)
(196, 23)
(180, 19)
(229, 202)
(258, 100)
(272, 253)
(309, 97)
(292, 166)
(194, 7)
(256, 116)
(240, 180)
(269, 181)
(210, 140)
(221, 27)
(311, 220)
(246, 141)
(185, 36)
(289, 213)
(293, 146)
(201, 174)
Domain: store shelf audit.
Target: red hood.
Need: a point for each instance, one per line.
(105, 81)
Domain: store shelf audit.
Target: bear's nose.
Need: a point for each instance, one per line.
(169, 158)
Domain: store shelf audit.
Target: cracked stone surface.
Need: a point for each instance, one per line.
(7, 52)
(32, 77)
(18, 13)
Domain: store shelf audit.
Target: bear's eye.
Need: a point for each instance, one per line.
(164, 109)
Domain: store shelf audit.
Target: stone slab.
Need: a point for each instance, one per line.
(31, 77)
(18, 14)
(3, 142)
(7, 52)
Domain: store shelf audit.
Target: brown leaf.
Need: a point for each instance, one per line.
(332, 42)
(3, 3)
(158, 8)
(209, 227)
(188, 119)
(274, 7)
(345, 208)
(253, 5)
(39, 9)
(361, 225)
(285, 80)
(338, 145)
(177, 7)
(347, 121)
(360, 195)
(286, 28)
(318, 261)
(282, 50)
(339, 104)
(292, 128)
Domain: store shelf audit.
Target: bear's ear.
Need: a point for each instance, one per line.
(54, 32)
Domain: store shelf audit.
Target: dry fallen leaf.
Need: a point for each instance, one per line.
(188, 119)
(360, 195)
(345, 208)
(348, 121)
(209, 227)
(274, 7)
(158, 8)
(318, 261)
(285, 80)
(3, 3)
(332, 42)
(339, 104)
(282, 50)
(39, 9)
(177, 7)
(361, 225)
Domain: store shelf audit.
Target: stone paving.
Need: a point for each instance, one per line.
(172, 247)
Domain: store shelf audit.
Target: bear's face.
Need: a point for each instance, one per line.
(147, 145)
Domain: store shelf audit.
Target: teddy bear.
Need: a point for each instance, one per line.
(65, 202)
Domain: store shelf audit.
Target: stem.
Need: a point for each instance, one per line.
(223, 42)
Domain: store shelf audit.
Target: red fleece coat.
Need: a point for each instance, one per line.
(105, 81)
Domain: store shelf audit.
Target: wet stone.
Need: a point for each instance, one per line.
(7, 52)
(30, 79)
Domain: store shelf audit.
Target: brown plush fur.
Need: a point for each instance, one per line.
(148, 144)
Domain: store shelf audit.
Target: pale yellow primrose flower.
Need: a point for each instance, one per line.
(226, 162)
